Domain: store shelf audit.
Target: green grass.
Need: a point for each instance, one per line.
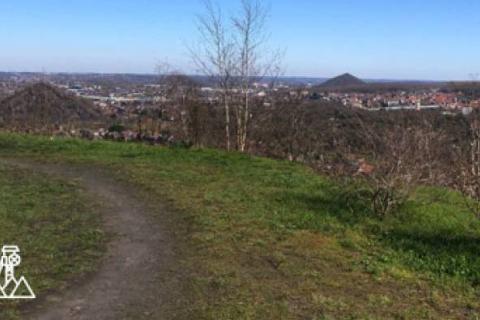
(437, 234)
(55, 227)
(272, 240)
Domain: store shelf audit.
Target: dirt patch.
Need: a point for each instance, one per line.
(138, 278)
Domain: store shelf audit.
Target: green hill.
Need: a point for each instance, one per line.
(266, 239)
(344, 80)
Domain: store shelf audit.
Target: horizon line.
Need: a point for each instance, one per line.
(200, 75)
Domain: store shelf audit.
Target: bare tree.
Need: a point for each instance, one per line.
(234, 57)
(215, 57)
(254, 62)
(175, 84)
(469, 163)
(404, 154)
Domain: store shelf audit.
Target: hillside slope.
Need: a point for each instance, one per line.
(344, 80)
(42, 105)
(269, 239)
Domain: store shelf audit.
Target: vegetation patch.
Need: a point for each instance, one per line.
(273, 240)
(55, 225)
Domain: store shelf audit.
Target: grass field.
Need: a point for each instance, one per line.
(272, 240)
(54, 225)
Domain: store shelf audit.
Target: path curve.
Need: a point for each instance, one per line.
(134, 280)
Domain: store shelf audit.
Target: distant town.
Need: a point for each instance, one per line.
(116, 94)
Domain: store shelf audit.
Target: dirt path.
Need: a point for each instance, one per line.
(136, 278)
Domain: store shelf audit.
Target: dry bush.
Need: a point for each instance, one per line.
(469, 168)
(404, 156)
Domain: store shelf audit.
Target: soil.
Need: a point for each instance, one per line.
(138, 278)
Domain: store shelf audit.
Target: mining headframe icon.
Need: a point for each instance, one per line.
(13, 288)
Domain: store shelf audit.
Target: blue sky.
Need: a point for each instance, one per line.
(404, 39)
